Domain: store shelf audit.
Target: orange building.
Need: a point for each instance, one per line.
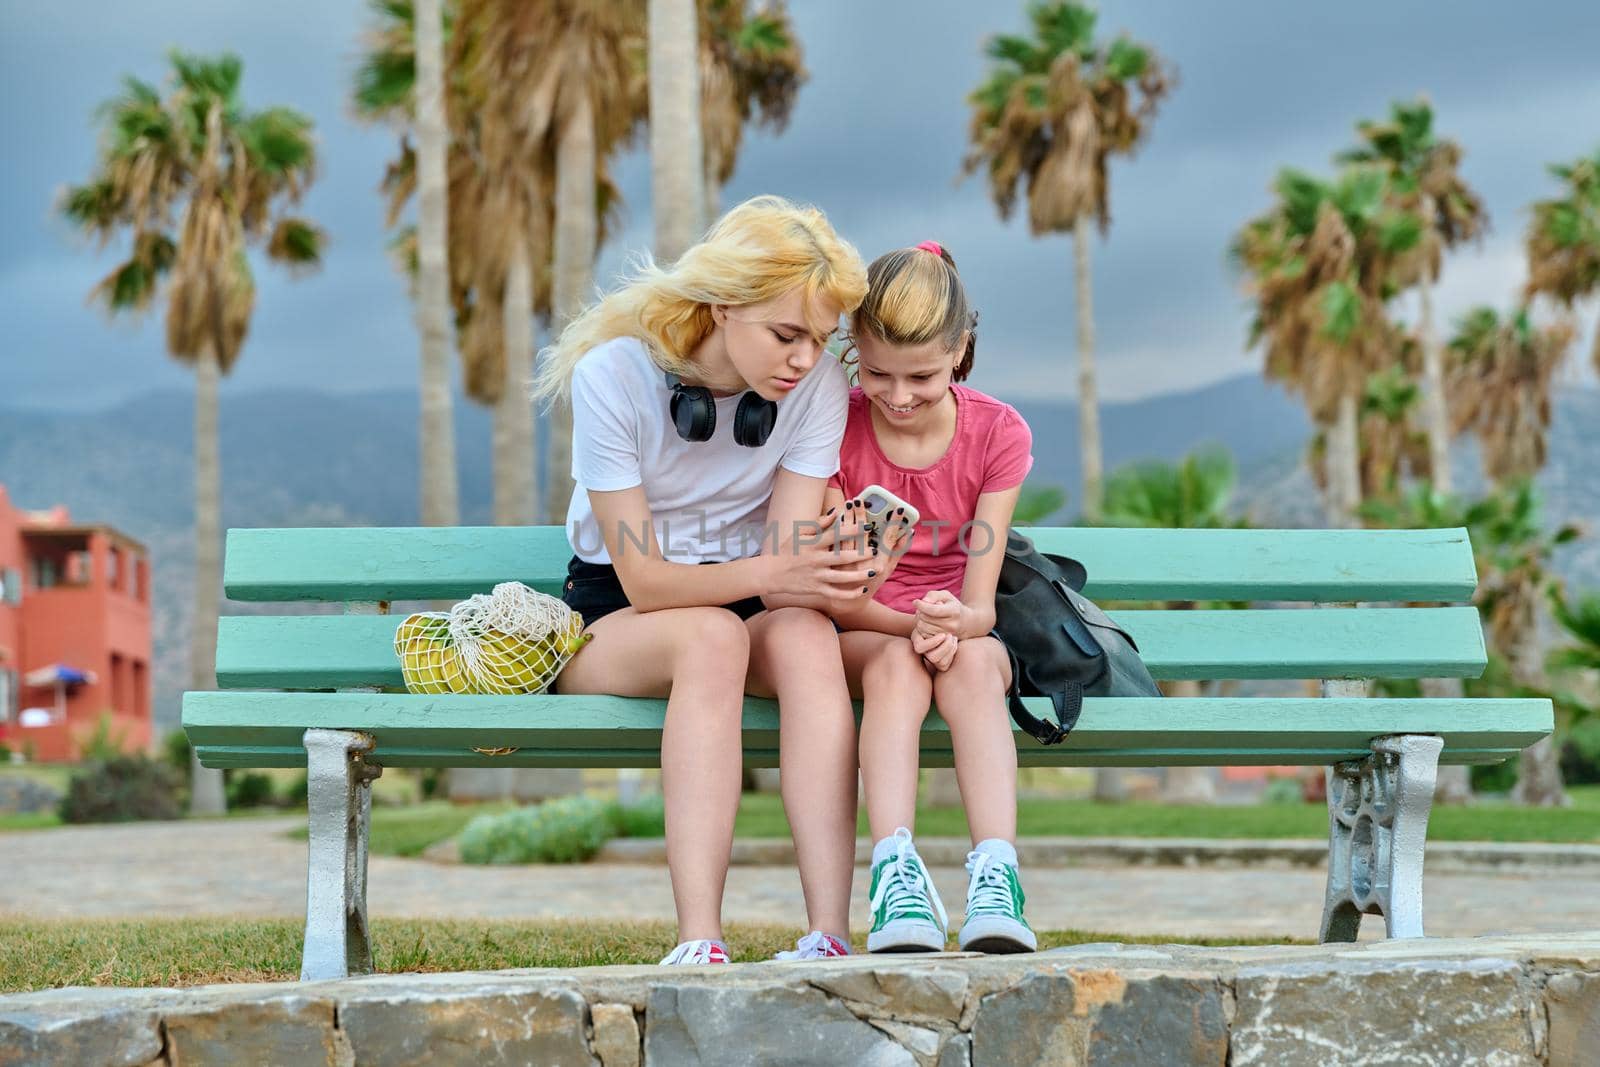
(74, 632)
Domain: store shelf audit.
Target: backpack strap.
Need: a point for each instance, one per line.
(1069, 705)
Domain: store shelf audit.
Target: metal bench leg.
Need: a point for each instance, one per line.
(339, 801)
(1377, 829)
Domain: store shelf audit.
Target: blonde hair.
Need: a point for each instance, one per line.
(914, 296)
(765, 248)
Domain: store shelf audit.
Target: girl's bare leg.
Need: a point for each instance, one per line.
(971, 698)
(697, 658)
(794, 656)
(895, 691)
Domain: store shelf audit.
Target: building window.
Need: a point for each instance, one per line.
(8, 695)
(140, 704)
(119, 685)
(80, 567)
(10, 586)
(113, 568)
(46, 575)
(141, 580)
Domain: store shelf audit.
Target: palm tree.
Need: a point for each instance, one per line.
(401, 80)
(1580, 618)
(751, 68)
(1192, 494)
(1391, 446)
(440, 506)
(677, 195)
(1519, 580)
(563, 89)
(1507, 374)
(1563, 240)
(1424, 173)
(1504, 383)
(1053, 109)
(193, 178)
(480, 236)
(500, 179)
(1322, 264)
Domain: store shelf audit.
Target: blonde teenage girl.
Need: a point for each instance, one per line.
(707, 418)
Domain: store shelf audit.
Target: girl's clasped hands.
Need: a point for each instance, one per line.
(938, 623)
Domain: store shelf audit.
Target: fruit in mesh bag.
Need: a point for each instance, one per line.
(517, 662)
(428, 660)
(511, 641)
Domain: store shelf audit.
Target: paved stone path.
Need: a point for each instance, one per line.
(248, 867)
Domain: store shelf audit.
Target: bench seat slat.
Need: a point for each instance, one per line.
(264, 729)
(422, 563)
(343, 651)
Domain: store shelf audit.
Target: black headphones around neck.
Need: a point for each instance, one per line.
(694, 413)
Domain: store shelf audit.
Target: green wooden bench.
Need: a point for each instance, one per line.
(335, 704)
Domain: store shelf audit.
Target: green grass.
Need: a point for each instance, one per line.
(761, 815)
(407, 831)
(43, 954)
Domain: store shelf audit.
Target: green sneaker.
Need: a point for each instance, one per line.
(907, 914)
(994, 921)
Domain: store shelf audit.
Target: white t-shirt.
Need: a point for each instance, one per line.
(708, 501)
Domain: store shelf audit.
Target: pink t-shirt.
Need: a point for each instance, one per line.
(992, 451)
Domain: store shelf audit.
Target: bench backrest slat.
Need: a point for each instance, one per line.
(340, 651)
(422, 563)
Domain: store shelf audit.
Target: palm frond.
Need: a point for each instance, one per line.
(279, 141)
(297, 243)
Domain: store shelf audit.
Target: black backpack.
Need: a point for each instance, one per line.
(1062, 646)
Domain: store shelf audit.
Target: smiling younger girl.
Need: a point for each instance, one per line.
(959, 457)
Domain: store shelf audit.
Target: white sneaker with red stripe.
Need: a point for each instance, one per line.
(816, 946)
(696, 952)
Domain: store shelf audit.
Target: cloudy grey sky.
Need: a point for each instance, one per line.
(877, 141)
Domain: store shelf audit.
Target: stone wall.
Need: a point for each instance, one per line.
(1451, 1003)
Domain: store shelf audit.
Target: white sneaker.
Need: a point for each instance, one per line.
(907, 914)
(696, 952)
(994, 921)
(816, 946)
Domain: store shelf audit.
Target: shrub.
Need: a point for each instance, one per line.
(645, 817)
(250, 789)
(1495, 777)
(175, 750)
(1283, 791)
(123, 789)
(567, 830)
(297, 791)
(104, 742)
(1580, 754)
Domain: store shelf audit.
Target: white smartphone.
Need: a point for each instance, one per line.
(879, 504)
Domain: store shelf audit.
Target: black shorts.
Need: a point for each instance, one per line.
(594, 591)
